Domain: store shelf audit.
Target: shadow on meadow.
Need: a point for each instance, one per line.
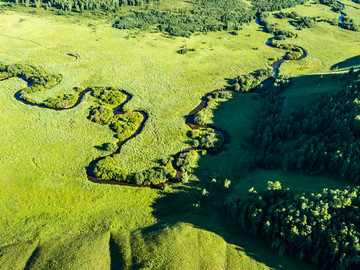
(348, 63)
(200, 203)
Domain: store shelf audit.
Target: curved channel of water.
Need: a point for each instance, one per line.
(189, 121)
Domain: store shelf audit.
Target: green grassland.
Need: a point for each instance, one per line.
(325, 44)
(239, 117)
(52, 217)
(160, 86)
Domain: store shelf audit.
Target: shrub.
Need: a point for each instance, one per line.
(207, 138)
(126, 124)
(101, 115)
(62, 101)
(108, 95)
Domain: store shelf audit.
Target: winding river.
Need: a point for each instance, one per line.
(189, 121)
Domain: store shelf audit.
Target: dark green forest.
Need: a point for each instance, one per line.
(318, 137)
(320, 227)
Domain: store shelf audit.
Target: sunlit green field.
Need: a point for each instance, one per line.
(325, 45)
(52, 217)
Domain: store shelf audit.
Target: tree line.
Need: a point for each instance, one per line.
(200, 16)
(324, 136)
(272, 5)
(218, 16)
(81, 5)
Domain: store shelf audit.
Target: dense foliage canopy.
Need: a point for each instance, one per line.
(318, 137)
(320, 227)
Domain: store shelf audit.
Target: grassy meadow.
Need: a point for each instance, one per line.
(325, 45)
(52, 217)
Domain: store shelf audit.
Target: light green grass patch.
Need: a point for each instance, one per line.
(164, 83)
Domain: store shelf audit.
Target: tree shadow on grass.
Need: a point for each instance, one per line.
(177, 207)
(187, 204)
(348, 63)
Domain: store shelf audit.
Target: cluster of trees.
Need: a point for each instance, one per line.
(62, 101)
(321, 136)
(38, 79)
(298, 21)
(101, 115)
(217, 16)
(108, 95)
(289, 15)
(247, 82)
(126, 124)
(108, 170)
(185, 162)
(349, 24)
(330, 21)
(206, 138)
(270, 28)
(155, 175)
(319, 227)
(304, 22)
(293, 51)
(123, 124)
(65, 101)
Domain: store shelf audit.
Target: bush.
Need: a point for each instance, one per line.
(126, 124)
(185, 50)
(186, 161)
(101, 115)
(110, 147)
(207, 138)
(61, 102)
(108, 95)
